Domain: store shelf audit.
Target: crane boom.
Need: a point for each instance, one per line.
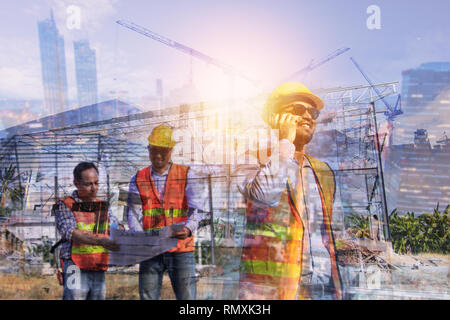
(181, 47)
(370, 82)
(312, 65)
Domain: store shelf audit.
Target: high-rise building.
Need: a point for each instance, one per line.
(426, 101)
(53, 63)
(86, 73)
(417, 174)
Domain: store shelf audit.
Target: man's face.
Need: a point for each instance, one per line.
(306, 124)
(88, 185)
(159, 156)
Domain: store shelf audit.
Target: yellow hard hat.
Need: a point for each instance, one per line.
(161, 136)
(287, 93)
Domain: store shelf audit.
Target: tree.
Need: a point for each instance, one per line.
(10, 188)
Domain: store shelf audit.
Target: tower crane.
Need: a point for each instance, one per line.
(391, 112)
(181, 47)
(311, 66)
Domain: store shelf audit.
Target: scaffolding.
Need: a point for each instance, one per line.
(357, 158)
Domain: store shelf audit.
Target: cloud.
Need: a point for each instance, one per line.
(20, 71)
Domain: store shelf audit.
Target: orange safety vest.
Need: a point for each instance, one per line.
(87, 256)
(172, 209)
(271, 261)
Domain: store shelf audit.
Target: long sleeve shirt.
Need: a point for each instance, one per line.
(265, 189)
(195, 193)
(66, 223)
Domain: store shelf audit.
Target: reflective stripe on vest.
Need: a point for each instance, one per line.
(172, 209)
(272, 253)
(89, 257)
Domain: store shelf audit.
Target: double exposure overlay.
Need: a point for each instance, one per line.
(250, 151)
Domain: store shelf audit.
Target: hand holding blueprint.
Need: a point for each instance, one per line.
(137, 246)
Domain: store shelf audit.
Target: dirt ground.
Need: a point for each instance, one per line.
(118, 287)
(423, 276)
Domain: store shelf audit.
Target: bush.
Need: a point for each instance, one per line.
(428, 232)
(43, 250)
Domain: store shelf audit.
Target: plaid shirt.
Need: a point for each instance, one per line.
(65, 223)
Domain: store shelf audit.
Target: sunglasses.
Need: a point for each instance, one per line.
(299, 109)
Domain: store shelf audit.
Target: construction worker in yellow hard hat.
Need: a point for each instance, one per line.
(289, 103)
(160, 146)
(166, 194)
(288, 250)
(161, 136)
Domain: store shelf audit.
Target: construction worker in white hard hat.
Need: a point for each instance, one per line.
(288, 249)
(160, 195)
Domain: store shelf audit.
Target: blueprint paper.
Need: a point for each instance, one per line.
(136, 247)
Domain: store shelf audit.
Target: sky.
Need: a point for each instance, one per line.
(265, 39)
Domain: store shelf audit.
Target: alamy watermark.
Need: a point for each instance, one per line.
(73, 20)
(373, 22)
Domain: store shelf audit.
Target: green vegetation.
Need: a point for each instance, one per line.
(428, 232)
(358, 225)
(43, 250)
(9, 189)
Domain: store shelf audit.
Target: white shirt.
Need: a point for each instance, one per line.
(265, 190)
(195, 191)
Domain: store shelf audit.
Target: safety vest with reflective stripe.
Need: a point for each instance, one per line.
(272, 253)
(86, 256)
(172, 209)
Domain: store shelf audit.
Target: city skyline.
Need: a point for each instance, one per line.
(253, 44)
(128, 64)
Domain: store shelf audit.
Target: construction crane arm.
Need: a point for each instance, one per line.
(313, 66)
(390, 112)
(370, 82)
(181, 47)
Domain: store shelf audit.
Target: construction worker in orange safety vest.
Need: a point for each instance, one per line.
(83, 221)
(166, 194)
(288, 249)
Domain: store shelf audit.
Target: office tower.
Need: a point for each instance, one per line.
(425, 101)
(86, 73)
(418, 173)
(53, 63)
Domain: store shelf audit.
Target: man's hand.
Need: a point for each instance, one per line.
(286, 123)
(181, 234)
(109, 244)
(87, 238)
